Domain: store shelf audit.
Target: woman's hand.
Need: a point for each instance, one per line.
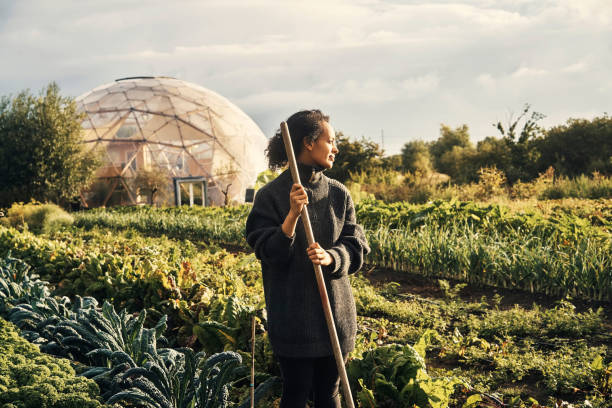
(297, 199)
(318, 255)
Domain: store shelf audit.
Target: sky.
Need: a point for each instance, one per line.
(390, 71)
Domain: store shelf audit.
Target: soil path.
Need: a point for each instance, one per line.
(428, 287)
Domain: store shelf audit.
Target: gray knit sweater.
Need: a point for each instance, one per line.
(296, 323)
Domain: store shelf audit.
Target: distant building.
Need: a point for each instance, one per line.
(167, 141)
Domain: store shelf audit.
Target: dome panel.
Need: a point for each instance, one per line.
(138, 94)
(93, 97)
(158, 103)
(190, 93)
(182, 106)
(148, 82)
(165, 90)
(112, 100)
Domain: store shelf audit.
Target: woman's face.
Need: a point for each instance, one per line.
(323, 150)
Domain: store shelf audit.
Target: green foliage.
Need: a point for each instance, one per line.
(579, 147)
(37, 217)
(462, 240)
(179, 378)
(491, 182)
(558, 321)
(522, 144)
(226, 326)
(211, 224)
(42, 156)
(582, 186)
(510, 260)
(416, 157)
(124, 357)
(515, 352)
(265, 177)
(491, 152)
(18, 285)
(525, 149)
(452, 153)
(30, 379)
(395, 376)
(487, 346)
(354, 157)
(83, 332)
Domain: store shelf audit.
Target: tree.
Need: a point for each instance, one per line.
(493, 152)
(41, 154)
(452, 153)
(523, 154)
(580, 146)
(354, 157)
(392, 162)
(416, 157)
(448, 139)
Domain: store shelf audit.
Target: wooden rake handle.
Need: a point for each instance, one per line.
(331, 326)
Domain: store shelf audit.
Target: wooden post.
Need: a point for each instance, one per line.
(253, 363)
(331, 326)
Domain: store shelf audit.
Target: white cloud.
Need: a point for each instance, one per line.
(367, 62)
(526, 72)
(576, 68)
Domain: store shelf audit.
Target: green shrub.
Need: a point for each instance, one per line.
(583, 187)
(29, 378)
(38, 217)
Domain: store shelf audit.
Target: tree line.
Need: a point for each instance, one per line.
(522, 150)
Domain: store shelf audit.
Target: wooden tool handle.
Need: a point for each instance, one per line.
(331, 326)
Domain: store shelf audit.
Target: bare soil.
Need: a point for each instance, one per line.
(428, 287)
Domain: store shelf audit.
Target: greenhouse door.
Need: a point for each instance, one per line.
(184, 190)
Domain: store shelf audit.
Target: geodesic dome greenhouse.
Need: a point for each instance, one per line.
(167, 141)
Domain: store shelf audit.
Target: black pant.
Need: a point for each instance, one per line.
(303, 375)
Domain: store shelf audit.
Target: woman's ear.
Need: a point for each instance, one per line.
(307, 144)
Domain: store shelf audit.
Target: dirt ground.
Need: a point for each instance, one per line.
(427, 287)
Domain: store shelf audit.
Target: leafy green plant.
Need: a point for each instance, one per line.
(226, 326)
(183, 379)
(18, 285)
(31, 379)
(37, 217)
(395, 376)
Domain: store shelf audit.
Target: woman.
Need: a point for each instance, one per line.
(296, 323)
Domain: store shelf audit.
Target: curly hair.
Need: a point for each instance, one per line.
(306, 124)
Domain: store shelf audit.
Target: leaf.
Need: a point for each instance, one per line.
(597, 363)
(472, 401)
(365, 396)
(425, 340)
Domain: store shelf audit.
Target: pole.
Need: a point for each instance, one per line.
(253, 363)
(331, 326)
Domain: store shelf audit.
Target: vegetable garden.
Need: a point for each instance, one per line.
(155, 306)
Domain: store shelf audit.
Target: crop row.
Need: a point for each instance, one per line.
(558, 254)
(226, 224)
(509, 260)
(560, 222)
